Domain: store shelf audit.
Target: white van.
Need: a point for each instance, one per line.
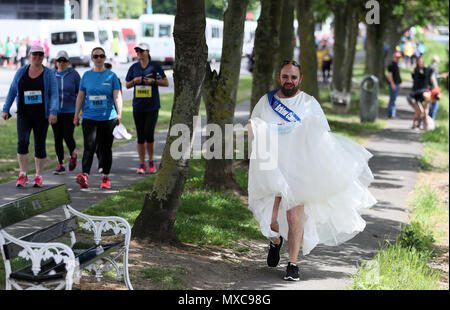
(77, 37)
(107, 31)
(214, 38)
(157, 31)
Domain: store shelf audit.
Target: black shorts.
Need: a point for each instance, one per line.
(145, 126)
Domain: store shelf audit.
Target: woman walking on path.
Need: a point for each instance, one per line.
(100, 98)
(36, 89)
(145, 76)
(68, 86)
(420, 96)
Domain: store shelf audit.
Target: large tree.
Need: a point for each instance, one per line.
(157, 218)
(219, 94)
(308, 48)
(265, 47)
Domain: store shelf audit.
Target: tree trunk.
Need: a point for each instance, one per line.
(286, 36)
(266, 45)
(375, 51)
(308, 48)
(157, 218)
(346, 19)
(219, 94)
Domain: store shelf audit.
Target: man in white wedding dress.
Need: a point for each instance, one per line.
(318, 186)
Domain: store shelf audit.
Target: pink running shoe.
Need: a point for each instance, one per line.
(151, 166)
(105, 182)
(82, 179)
(37, 181)
(141, 169)
(73, 161)
(22, 180)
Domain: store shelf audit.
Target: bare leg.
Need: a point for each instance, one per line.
(295, 234)
(39, 162)
(141, 153)
(23, 162)
(274, 221)
(150, 150)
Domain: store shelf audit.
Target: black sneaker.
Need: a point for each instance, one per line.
(292, 273)
(273, 257)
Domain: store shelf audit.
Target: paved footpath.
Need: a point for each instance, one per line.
(395, 165)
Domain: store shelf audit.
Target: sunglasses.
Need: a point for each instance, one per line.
(37, 54)
(62, 60)
(291, 62)
(99, 56)
(138, 50)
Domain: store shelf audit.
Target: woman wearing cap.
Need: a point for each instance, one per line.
(101, 100)
(36, 89)
(145, 76)
(68, 86)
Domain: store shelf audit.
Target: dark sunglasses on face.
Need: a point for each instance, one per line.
(37, 54)
(138, 50)
(62, 60)
(98, 56)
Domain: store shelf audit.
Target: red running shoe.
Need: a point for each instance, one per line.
(37, 181)
(141, 169)
(151, 166)
(105, 182)
(82, 179)
(22, 180)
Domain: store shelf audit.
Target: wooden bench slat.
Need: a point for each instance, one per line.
(34, 204)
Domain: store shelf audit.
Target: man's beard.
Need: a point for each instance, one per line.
(289, 92)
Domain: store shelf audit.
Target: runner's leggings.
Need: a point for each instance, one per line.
(145, 126)
(63, 130)
(39, 125)
(103, 131)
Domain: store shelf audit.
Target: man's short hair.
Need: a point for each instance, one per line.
(292, 62)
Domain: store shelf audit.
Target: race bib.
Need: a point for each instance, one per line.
(143, 91)
(98, 102)
(33, 97)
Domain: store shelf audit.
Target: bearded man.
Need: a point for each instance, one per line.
(319, 185)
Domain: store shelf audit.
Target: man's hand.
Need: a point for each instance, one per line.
(394, 88)
(149, 81)
(52, 119)
(119, 119)
(137, 80)
(5, 116)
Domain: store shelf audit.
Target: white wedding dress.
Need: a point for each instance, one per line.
(306, 164)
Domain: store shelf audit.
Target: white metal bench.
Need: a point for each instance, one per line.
(56, 265)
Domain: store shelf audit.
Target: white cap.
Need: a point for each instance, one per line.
(143, 46)
(62, 54)
(120, 132)
(36, 48)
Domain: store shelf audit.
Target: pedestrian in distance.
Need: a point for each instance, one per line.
(145, 76)
(394, 80)
(100, 98)
(315, 184)
(36, 90)
(68, 87)
(420, 96)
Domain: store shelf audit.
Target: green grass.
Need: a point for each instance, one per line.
(203, 217)
(166, 278)
(396, 268)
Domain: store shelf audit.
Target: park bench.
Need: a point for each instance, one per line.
(56, 265)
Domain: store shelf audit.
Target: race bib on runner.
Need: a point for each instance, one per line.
(97, 102)
(143, 91)
(33, 97)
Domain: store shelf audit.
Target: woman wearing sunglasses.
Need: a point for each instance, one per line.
(101, 100)
(68, 86)
(36, 89)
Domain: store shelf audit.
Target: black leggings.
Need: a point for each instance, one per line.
(39, 125)
(63, 130)
(145, 126)
(103, 131)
